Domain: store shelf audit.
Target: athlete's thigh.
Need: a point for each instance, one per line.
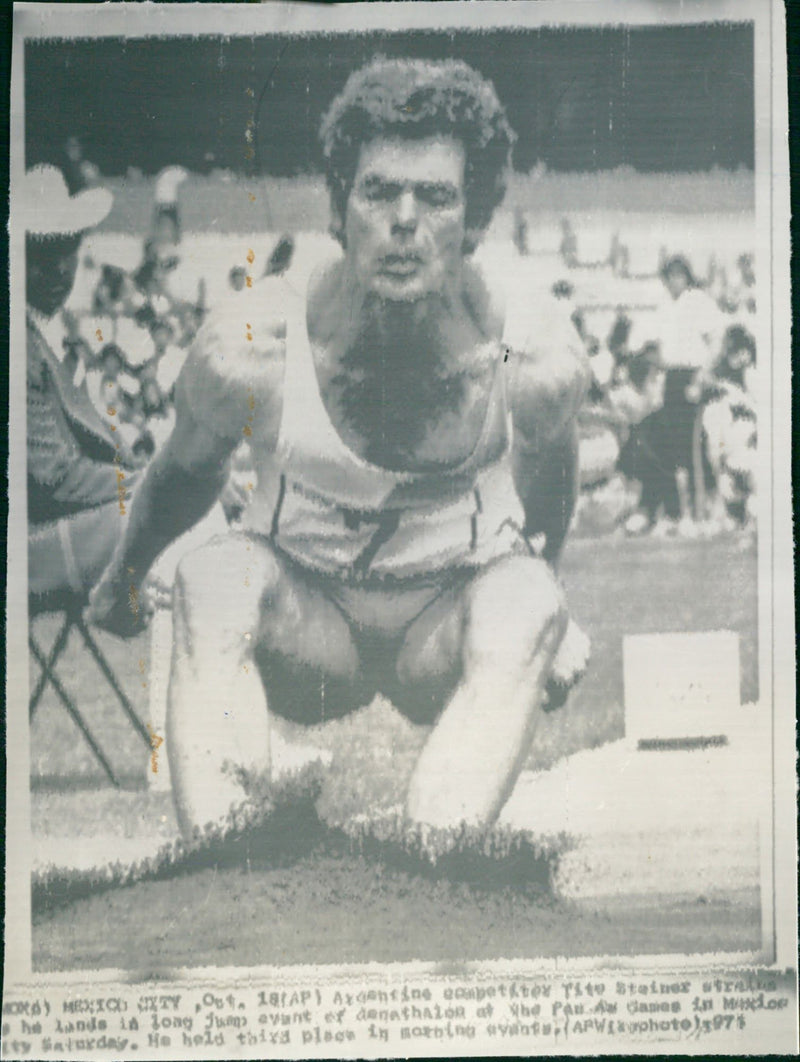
(429, 663)
(239, 603)
(490, 619)
(305, 649)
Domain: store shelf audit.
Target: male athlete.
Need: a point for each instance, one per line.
(414, 438)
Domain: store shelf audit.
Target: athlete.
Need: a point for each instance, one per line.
(415, 449)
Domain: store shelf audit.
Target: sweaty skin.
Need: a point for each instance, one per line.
(404, 274)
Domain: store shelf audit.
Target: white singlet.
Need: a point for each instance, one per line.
(335, 513)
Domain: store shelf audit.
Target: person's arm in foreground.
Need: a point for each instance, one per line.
(218, 397)
(548, 389)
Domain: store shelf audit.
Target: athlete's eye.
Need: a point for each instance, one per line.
(377, 191)
(437, 195)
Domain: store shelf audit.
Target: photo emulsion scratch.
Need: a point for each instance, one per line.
(400, 579)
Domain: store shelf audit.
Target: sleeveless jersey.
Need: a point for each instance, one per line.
(335, 513)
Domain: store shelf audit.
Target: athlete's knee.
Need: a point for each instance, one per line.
(514, 605)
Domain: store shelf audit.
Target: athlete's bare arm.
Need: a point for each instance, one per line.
(230, 388)
(548, 385)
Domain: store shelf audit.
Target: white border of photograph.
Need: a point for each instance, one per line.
(775, 563)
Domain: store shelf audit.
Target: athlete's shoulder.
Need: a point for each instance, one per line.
(537, 324)
(234, 369)
(519, 307)
(548, 366)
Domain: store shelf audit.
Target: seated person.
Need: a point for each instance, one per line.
(77, 351)
(78, 468)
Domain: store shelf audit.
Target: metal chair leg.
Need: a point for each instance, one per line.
(76, 716)
(58, 648)
(111, 678)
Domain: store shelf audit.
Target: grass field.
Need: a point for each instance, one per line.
(310, 895)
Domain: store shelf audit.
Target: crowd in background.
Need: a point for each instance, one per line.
(668, 430)
(139, 330)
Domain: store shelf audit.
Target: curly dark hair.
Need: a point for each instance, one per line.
(414, 99)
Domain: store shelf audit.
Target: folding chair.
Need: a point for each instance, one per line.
(70, 607)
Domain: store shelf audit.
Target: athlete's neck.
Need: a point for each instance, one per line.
(391, 370)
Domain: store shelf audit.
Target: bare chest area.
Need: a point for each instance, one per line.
(409, 413)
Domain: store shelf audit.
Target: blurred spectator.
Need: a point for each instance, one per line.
(237, 278)
(78, 171)
(520, 232)
(737, 362)
(741, 297)
(148, 402)
(166, 226)
(619, 257)
(612, 483)
(168, 358)
(663, 454)
(154, 417)
(166, 229)
(633, 392)
(281, 257)
(78, 355)
(730, 425)
(78, 470)
(690, 323)
(150, 277)
(159, 303)
(115, 388)
(716, 284)
(563, 289)
(568, 248)
(115, 294)
(639, 388)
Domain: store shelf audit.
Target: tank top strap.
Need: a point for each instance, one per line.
(304, 416)
(310, 449)
(495, 437)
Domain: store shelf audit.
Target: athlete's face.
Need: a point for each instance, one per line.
(404, 227)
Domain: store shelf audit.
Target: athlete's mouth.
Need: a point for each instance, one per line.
(400, 265)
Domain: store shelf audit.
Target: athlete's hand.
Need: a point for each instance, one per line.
(569, 665)
(122, 607)
(233, 376)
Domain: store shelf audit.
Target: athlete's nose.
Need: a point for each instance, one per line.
(405, 214)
